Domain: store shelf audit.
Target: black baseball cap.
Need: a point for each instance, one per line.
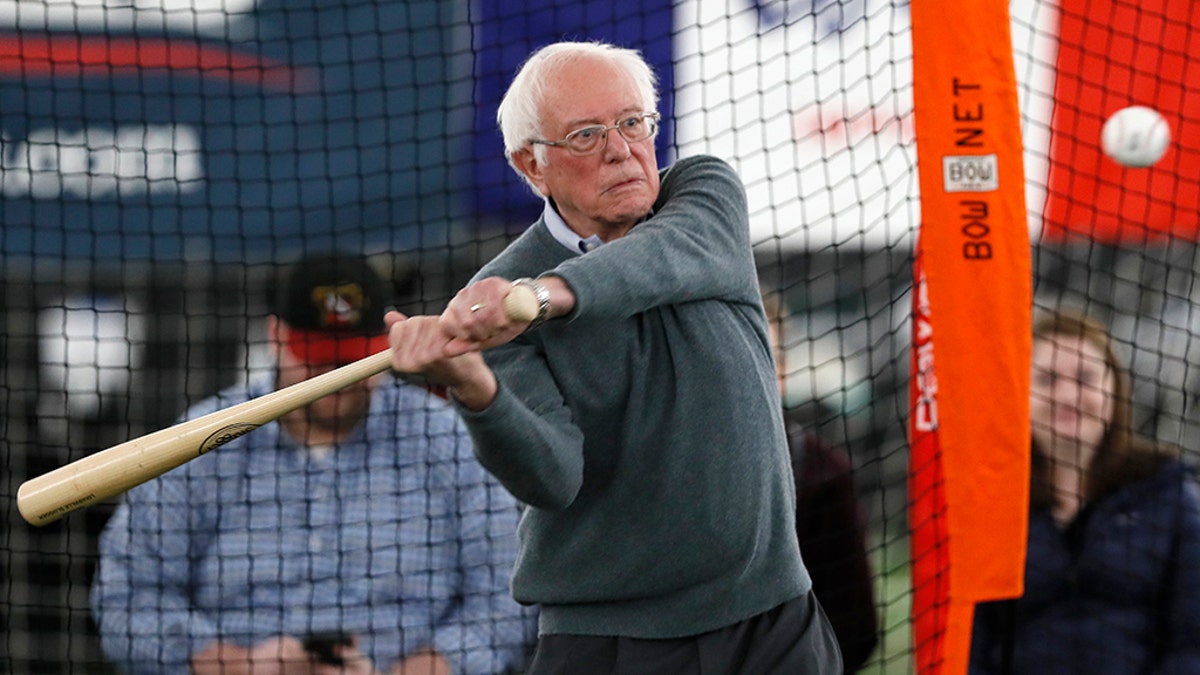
(333, 304)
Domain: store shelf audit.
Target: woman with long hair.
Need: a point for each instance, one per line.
(1112, 573)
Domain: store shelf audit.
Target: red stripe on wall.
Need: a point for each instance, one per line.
(64, 55)
(1114, 54)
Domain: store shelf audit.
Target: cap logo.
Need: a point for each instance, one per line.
(340, 305)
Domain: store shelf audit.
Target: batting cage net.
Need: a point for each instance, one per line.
(162, 162)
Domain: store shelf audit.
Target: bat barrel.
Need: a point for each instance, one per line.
(97, 477)
(48, 497)
(112, 471)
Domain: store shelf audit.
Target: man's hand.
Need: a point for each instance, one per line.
(419, 346)
(422, 663)
(446, 349)
(283, 655)
(276, 656)
(475, 319)
(354, 662)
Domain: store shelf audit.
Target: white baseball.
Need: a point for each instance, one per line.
(1136, 136)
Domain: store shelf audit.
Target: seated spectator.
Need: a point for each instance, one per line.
(1112, 573)
(357, 534)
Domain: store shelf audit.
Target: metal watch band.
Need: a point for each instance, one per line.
(543, 298)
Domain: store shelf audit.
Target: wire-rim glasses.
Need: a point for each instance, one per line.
(590, 140)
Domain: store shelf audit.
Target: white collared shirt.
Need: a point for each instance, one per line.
(565, 235)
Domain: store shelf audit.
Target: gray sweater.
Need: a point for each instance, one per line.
(644, 430)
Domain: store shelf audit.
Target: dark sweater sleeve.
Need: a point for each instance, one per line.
(528, 441)
(696, 246)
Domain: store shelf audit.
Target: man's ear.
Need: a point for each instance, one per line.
(526, 161)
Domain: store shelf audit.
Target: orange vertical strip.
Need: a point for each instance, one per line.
(969, 470)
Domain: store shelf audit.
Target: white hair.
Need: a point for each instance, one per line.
(518, 114)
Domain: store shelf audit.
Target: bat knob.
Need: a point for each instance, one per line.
(527, 301)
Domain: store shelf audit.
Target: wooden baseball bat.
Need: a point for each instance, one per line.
(89, 480)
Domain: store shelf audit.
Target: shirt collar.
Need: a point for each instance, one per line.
(565, 235)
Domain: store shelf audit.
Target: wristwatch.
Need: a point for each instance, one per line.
(543, 298)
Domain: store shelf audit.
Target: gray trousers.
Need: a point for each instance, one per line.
(794, 638)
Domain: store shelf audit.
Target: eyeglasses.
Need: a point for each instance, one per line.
(593, 139)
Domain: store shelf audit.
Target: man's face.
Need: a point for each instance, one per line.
(337, 412)
(607, 192)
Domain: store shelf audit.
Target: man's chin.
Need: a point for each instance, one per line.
(347, 416)
(631, 211)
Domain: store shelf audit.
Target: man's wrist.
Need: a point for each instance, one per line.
(543, 299)
(475, 395)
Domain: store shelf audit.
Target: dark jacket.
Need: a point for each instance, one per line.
(832, 533)
(1117, 592)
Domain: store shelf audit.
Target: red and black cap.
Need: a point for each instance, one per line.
(333, 305)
